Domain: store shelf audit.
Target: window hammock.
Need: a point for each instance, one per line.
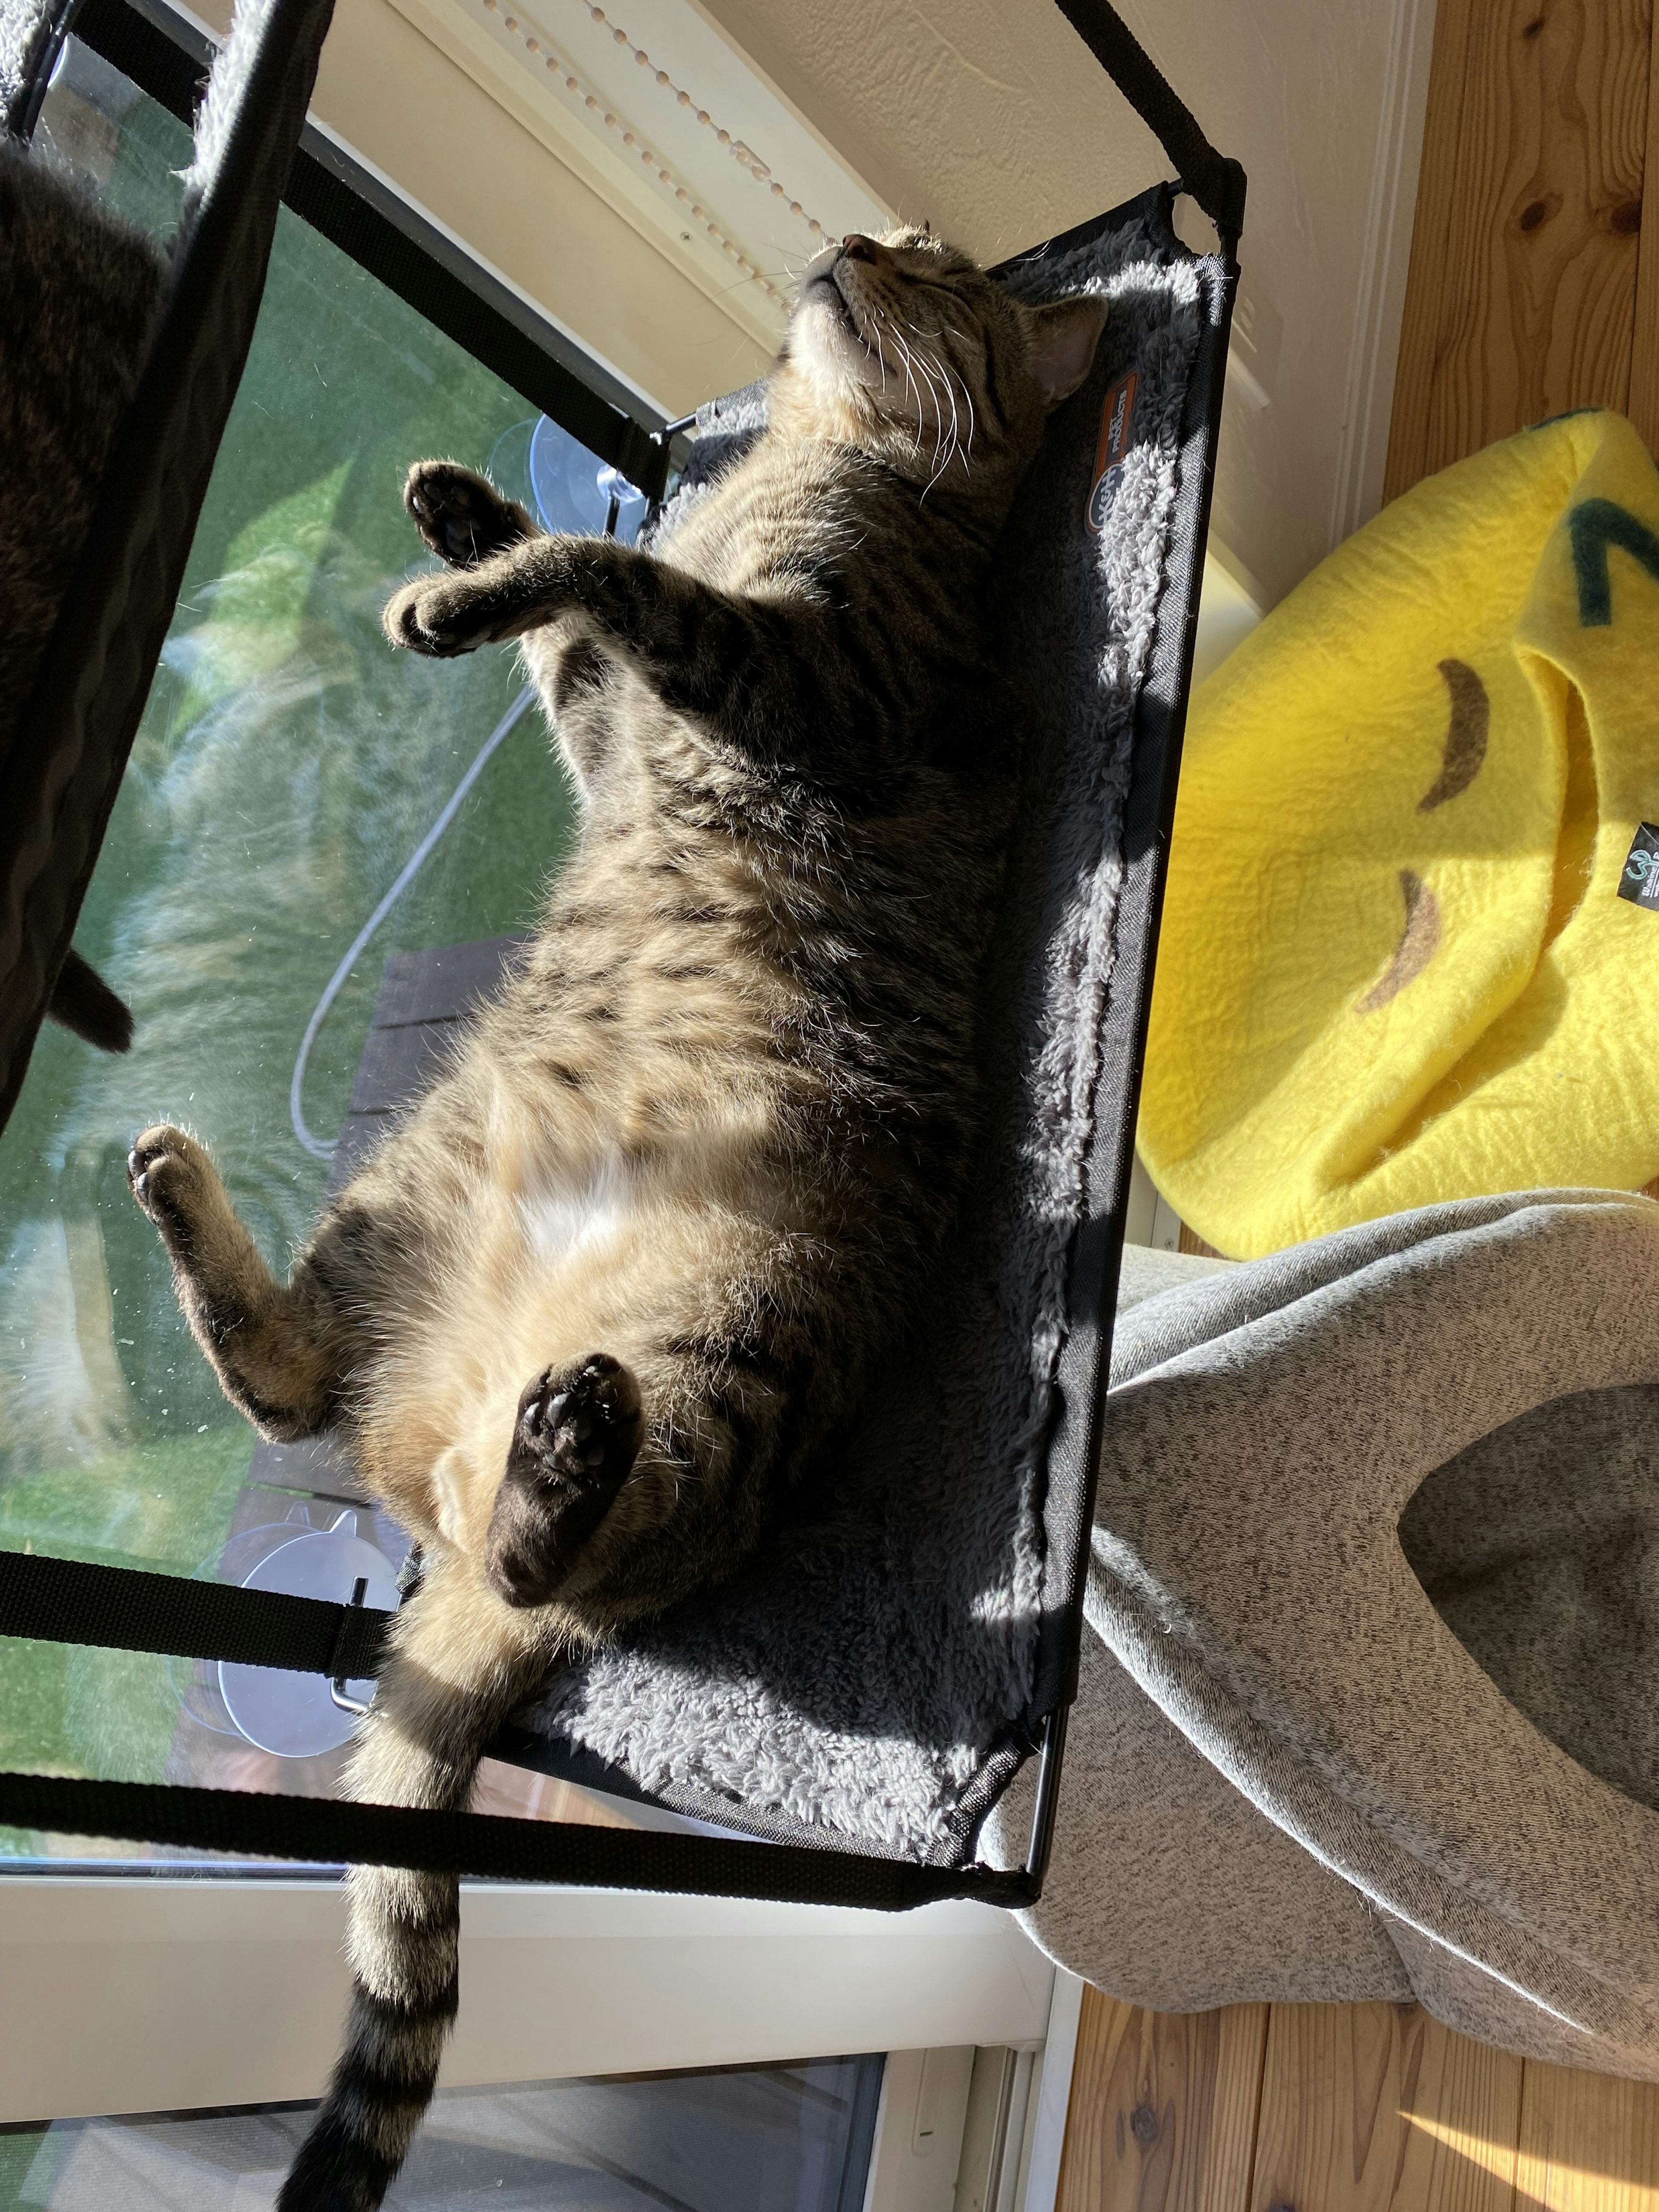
(868, 1687)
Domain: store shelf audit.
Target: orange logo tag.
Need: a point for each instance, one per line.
(1116, 422)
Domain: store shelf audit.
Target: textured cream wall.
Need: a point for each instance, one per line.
(991, 118)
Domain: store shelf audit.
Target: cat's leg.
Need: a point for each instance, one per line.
(577, 1436)
(676, 1453)
(460, 514)
(84, 1002)
(465, 520)
(772, 675)
(638, 1475)
(276, 1347)
(459, 1662)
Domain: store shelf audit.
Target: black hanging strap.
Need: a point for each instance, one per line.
(69, 1602)
(1215, 181)
(322, 1831)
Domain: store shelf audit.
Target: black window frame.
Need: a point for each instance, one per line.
(166, 57)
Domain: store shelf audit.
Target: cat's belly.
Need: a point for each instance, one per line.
(540, 1277)
(567, 1216)
(584, 1254)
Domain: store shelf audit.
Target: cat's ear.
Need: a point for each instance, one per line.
(1060, 343)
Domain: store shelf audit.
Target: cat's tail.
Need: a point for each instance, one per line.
(83, 1001)
(403, 2004)
(459, 1661)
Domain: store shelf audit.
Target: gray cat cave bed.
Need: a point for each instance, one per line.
(1369, 1705)
(871, 1685)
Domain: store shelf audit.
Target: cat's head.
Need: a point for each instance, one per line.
(905, 347)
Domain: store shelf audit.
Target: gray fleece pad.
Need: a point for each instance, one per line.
(873, 1677)
(23, 25)
(1371, 1706)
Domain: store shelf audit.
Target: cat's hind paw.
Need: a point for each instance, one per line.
(578, 1433)
(460, 514)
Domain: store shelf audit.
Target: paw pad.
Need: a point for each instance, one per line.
(463, 518)
(577, 1436)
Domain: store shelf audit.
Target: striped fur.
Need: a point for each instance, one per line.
(619, 1279)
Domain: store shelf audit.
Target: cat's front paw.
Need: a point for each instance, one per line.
(578, 1433)
(174, 1182)
(460, 514)
(438, 615)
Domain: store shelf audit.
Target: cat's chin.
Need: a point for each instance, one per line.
(827, 345)
(827, 297)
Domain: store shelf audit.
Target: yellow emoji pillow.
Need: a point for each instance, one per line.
(1410, 948)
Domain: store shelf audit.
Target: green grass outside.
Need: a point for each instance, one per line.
(68, 1708)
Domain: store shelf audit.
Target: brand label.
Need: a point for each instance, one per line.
(1118, 417)
(1640, 882)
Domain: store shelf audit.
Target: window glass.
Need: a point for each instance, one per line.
(289, 767)
(762, 2139)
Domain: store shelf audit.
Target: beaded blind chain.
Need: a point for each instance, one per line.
(745, 157)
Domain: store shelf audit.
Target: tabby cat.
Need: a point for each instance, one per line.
(79, 291)
(616, 1282)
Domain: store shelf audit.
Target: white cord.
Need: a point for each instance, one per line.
(322, 1148)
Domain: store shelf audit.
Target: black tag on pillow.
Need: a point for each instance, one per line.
(1640, 882)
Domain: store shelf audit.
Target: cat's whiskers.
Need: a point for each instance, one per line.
(953, 445)
(972, 422)
(916, 390)
(913, 360)
(949, 382)
(921, 357)
(967, 401)
(879, 352)
(871, 347)
(941, 446)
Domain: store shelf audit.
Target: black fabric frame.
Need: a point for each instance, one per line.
(1098, 1249)
(65, 764)
(105, 1606)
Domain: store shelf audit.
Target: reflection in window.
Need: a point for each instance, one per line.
(288, 765)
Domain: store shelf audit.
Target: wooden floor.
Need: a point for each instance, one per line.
(1341, 2108)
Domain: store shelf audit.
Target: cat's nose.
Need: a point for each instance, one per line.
(855, 247)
